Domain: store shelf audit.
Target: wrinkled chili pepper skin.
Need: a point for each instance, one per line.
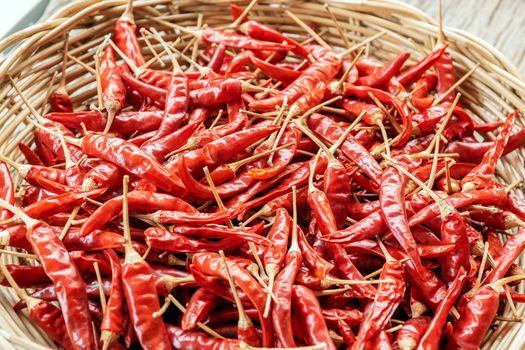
(113, 319)
(198, 308)
(60, 102)
(188, 340)
(113, 88)
(384, 74)
(211, 36)
(476, 318)
(453, 231)
(125, 123)
(142, 300)
(413, 73)
(50, 319)
(31, 156)
(126, 40)
(388, 297)
(410, 334)
(281, 311)
(305, 303)
(69, 286)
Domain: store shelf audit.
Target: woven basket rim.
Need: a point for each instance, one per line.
(66, 18)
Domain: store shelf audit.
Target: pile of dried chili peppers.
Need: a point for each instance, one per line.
(262, 193)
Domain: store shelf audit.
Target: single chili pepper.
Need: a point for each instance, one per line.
(283, 289)
(96, 240)
(481, 175)
(446, 77)
(413, 73)
(420, 95)
(198, 308)
(174, 242)
(310, 316)
(473, 152)
(510, 252)
(385, 73)
(60, 203)
(323, 70)
(410, 334)
(281, 74)
(391, 197)
(31, 156)
(458, 200)
(212, 264)
(112, 326)
(113, 88)
(211, 36)
(238, 61)
(62, 271)
(137, 201)
(453, 231)
(495, 218)
(125, 123)
(432, 335)
(387, 298)
(177, 100)
(126, 38)
(217, 59)
(275, 254)
(130, 158)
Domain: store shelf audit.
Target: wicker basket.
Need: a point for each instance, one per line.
(494, 89)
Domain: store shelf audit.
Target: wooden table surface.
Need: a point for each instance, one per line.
(498, 22)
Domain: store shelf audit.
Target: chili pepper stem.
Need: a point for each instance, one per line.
(76, 142)
(111, 106)
(62, 84)
(136, 70)
(22, 169)
(163, 308)
(243, 15)
(238, 164)
(443, 123)
(271, 271)
(107, 339)
(128, 13)
(342, 34)
(338, 88)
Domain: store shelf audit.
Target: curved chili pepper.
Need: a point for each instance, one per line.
(432, 335)
(7, 190)
(446, 77)
(113, 88)
(385, 73)
(410, 334)
(217, 59)
(284, 75)
(413, 73)
(475, 320)
(112, 322)
(198, 308)
(480, 176)
(510, 252)
(310, 316)
(453, 231)
(137, 201)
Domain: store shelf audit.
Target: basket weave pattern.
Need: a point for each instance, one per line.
(495, 88)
